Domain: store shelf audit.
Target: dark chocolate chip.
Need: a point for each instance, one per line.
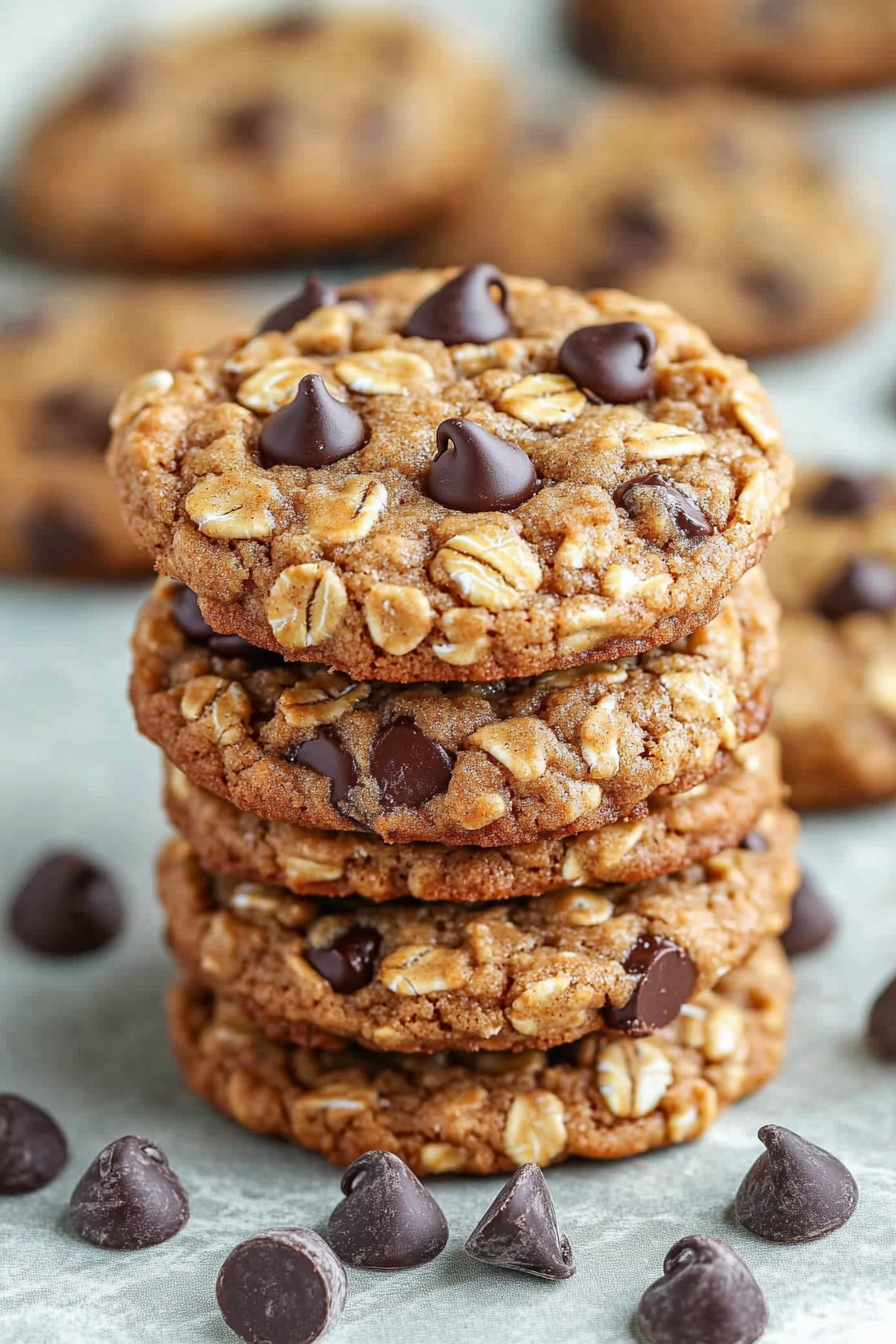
(780, 293)
(348, 964)
(33, 1150)
(687, 517)
(475, 471)
(520, 1230)
(234, 646)
(284, 1286)
(707, 1295)
(72, 418)
(184, 607)
(864, 584)
(66, 907)
(114, 88)
(843, 495)
(327, 756)
(314, 430)
(258, 128)
(882, 1023)
(388, 1220)
(637, 236)
(129, 1198)
(812, 921)
(612, 362)
(408, 766)
(293, 24)
(754, 842)
(58, 540)
(666, 982)
(464, 310)
(795, 1191)
(314, 294)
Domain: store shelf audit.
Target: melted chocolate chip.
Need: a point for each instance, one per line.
(314, 430)
(666, 982)
(882, 1023)
(778, 13)
(464, 310)
(388, 1220)
(33, 1150)
(707, 1295)
(637, 236)
(864, 584)
(520, 1230)
(612, 362)
(812, 921)
(58, 541)
(348, 964)
(475, 471)
(129, 1198)
(843, 496)
(687, 517)
(234, 646)
(314, 294)
(754, 842)
(70, 418)
(258, 128)
(780, 293)
(284, 1286)
(795, 1191)
(326, 755)
(408, 766)
(184, 607)
(66, 907)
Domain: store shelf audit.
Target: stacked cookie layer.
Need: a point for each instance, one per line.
(462, 709)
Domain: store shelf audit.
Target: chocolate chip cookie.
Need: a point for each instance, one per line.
(834, 570)
(304, 134)
(498, 763)
(415, 976)
(61, 370)
(710, 201)
(454, 476)
(794, 46)
(606, 1097)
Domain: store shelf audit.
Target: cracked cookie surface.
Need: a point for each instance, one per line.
(517, 974)
(637, 516)
(604, 1098)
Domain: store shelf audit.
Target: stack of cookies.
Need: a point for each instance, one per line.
(461, 672)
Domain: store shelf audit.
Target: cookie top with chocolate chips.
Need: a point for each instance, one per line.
(304, 133)
(455, 476)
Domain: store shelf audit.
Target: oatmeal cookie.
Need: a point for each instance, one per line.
(605, 1097)
(421, 977)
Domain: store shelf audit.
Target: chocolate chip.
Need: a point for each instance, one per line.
(258, 128)
(864, 584)
(707, 1295)
(612, 362)
(314, 294)
(882, 1023)
(778, 291)
(33, 1150)
(66, 907)
(754, 842)
(464, 310)
(284, 1286)
(388, 1220)
(795, 1191)
(520, 1230)
(475, 471)
(18, 326)
(234, 646)
(408, 766)
(348, 964)
(292, 24)
(843, 496)
(114, 88)
(129, 1198)
(637, 236)
(666, 979)
(58, 540)
(314, 430)
(72, 418)
(184, 608)
(327, 756)
(812, 921)
(686, 516)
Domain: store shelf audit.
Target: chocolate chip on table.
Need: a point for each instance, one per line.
(864, 584)
(313, 430)
(57, 540)
(314, 294)
(476, 472)
(707, 1295)
(388, 1220)
(464, 310)
(687, 517)
(666, 979)
(348, 964)
(844, 495)
(258, 128)
(283, 1286)
(67, 906)
(779, 293)
(882, 1022)
(129, 1198)
(611, 362)
(327, 756)
(812, 921)
(519, 1231)
(795, 1191)
(70, 418)
(33, 1149)
(408, 766)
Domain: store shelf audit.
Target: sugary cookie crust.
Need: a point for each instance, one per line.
(354, 565)
(605, 1098)
(511, 975)
(563, 753)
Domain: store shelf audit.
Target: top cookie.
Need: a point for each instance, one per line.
(454, 476)
(304, 133)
